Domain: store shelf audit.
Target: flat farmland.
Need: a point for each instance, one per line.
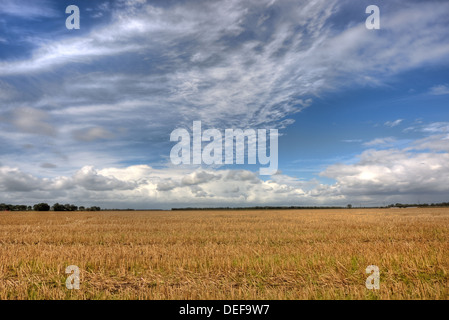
(218, 254)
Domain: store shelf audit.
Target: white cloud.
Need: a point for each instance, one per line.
(90, 179)
(380, 142)
(398, 174)
(392, 124)
(439, 142)
(441, 89)
(352, 140)
(432, 128)
(436, 127)
(200, 177)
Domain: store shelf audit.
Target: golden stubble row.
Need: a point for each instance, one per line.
(254, 254)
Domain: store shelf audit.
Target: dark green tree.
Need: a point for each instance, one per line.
(41, 207)
(58, 207)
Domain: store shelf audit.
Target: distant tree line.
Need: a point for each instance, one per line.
(14, 207)
(349, 206)
(260, 208)
(46, 207)
(70, 207)
(421, 205)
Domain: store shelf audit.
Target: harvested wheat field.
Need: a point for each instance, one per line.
(265, 254)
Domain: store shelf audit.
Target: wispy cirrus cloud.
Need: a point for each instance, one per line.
(394, 123)
(438, 90)
(248, 74)
(380, 142)
(91, 134)
(31, 120)
(28, 9)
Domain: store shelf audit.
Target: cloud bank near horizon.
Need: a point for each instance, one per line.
(377, 177)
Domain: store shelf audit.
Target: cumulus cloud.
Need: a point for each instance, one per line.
(439, 142)
(89, 179)
(167, 185)
(242, 175)
(419, 171)
(13, 180)
(391, 174)
(200, 177)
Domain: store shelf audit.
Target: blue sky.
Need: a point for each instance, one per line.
(86, 114)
